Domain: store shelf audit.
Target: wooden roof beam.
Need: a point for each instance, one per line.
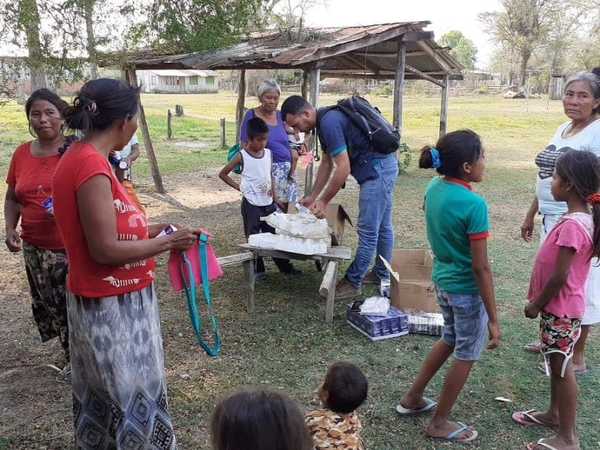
(424, 75)
(434, 56)
(361, 65)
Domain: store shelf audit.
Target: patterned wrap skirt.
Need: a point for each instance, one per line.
(47, 275)
(285, 187)
(118, 377)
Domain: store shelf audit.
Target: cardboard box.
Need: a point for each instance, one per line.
(412, 288)
(336, 219)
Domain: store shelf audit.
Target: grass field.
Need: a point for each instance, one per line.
(285, 344)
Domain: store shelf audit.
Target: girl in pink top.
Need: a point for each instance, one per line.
(557, 292)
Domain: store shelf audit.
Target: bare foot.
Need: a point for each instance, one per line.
(446, 428)
(556, 442)
(546, 418)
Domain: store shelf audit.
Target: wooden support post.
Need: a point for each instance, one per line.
(169, 128)
(250, 276)
(304, 88)
(158, 183)
(315, 78)
(223, 135)
(399, 86)
(444, 107)
(239, 112)
(328, 287)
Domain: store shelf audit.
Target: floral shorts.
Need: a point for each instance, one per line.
(285, 188)
(558, 335)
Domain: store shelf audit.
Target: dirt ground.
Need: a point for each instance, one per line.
(35, 408)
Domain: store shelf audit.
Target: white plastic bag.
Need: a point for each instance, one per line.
(300, 225)
(375, 306)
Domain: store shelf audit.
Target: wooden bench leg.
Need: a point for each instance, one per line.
(331, 279)
(250, 276)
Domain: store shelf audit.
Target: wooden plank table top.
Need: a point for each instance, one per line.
(338, 253)
(330, 261)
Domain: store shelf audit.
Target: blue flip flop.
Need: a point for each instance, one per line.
(429, 406)
(454, 436)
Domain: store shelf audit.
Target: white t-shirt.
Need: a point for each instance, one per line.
(126, 151)
(256, 178)
(586, 139)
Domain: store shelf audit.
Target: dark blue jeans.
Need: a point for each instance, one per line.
(375, 231)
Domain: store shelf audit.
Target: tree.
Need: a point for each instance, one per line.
(523, 25)
(196, 25)
(23, 19)
(462, 48)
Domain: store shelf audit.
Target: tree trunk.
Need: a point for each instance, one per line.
(525, 55)
(88, 10)
(29, 22)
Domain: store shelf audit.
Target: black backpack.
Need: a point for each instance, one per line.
(383, 137)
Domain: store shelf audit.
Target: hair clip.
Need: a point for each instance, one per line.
(593, 199)
(436, 160)
(92, 107)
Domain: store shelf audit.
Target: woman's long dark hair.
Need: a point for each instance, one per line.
(100, 103)
(50, 97)
(581, 169)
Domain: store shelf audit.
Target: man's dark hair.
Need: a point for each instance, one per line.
(293, 105)
(346, 387)
(256, 127)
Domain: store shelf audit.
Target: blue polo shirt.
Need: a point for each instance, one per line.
(338, 134)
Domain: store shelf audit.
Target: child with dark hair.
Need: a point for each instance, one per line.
(258, 420)
(457, 230)
(337, 425)
(256, 187)
(557, 291)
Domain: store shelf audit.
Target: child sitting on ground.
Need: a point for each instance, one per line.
(557, 292)
(457, 231)
(337, 425)
(258, 420)
(256, 188)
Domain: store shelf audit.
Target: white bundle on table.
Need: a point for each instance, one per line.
(299, 233)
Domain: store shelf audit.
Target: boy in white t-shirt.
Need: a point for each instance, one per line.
(256, 187)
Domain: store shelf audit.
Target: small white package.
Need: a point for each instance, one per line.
(375, 306)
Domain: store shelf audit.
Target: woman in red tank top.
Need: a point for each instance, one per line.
(117, 360)
(28, 202)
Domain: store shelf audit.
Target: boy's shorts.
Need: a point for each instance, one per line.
(465, 324)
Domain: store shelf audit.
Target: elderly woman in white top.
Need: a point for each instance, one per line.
(581, 102)
(285, 188)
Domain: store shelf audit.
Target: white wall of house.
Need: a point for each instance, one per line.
(178, 81)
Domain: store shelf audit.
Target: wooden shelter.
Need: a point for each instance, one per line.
(395, 51)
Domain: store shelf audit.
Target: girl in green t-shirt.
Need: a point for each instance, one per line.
(457, 230)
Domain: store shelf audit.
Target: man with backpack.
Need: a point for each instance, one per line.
(356, 140)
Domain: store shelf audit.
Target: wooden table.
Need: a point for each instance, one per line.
(330, 261)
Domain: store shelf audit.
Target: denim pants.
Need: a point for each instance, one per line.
(375, 232)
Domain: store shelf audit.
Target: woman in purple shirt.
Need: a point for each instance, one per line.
(285, 188)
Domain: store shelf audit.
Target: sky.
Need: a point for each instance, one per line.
(444, 15)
